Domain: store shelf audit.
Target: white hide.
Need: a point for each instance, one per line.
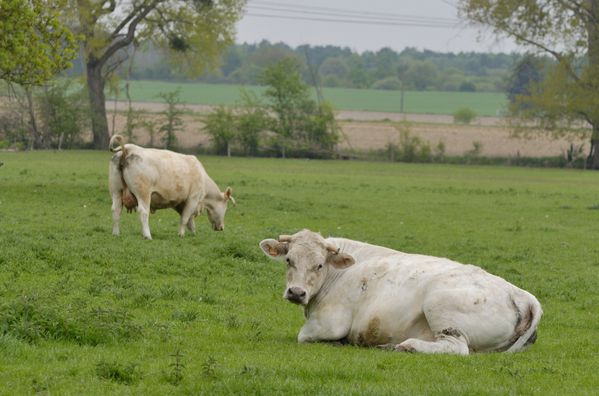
(405, 302)
(163, 179)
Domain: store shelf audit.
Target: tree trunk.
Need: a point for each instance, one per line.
(36, 137)
(97, 102)
(593, 158)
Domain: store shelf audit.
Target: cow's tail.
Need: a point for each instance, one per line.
(526, 329)
(118, 141)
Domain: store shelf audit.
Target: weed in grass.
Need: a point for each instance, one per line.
(175, 375)
(209, 367)
(39, 386)
(185, 316)
(126, 374)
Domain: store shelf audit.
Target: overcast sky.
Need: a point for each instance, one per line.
(366, 25)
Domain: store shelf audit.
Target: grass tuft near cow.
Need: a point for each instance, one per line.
(148, 179)
(358, 293)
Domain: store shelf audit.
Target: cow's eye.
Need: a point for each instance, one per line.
(288, 261)
(318, 267)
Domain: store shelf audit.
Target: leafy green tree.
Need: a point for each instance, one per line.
(173, 119)
(220, 125)
(567, 31)
(252, 120)
(61, 115)
(288, 96)
(194, 32)
(34, 44)
(299, 121)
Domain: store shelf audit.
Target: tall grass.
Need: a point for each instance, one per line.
(83, 312)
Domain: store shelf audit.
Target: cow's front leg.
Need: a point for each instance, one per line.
(325, 325)
(187, 218)
(117, 206)
(191, 225)
(449, 341)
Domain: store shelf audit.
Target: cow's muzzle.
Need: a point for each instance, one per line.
(218, 227)
(296, 295)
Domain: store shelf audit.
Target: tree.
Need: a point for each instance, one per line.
(173, 119)
(193, 31)
(34, 44)
(62, 118)
(220, 124)
(252, 120)
(299, 121)
(567, 31)
(287, 95)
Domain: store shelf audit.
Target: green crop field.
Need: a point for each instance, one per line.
(483, 103)
(84, 312)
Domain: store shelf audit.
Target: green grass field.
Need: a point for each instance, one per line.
(83, 312)
(483, 103)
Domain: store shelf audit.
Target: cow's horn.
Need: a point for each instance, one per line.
(332, 248)
(284, 238)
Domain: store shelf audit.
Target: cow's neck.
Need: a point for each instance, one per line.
(212, 190)
(333, 278)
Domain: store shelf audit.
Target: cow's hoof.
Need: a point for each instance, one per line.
(387, 347)
(404, 348)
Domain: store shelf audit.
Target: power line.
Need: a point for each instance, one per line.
(338, 12)
(354, 21)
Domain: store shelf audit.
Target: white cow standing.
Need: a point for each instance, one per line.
(374, 296)
(149, 179)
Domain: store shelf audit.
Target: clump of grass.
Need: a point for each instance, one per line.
(122, 373)
(31, 320)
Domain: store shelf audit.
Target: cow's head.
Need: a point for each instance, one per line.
(309, 258)
(216, 208)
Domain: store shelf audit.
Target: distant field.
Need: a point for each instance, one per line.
(85, 313)
(485, 104)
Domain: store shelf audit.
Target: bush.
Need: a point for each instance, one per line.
(465, 115)
(390, 83)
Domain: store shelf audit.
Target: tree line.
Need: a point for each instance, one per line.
(334, 66)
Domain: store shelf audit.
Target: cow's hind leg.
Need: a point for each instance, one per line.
(449, 341)
(117, 206)
(143, 207)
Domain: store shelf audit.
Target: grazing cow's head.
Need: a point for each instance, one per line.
(216, 209)
(309, 259)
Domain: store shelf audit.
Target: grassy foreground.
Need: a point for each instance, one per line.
(429, 102)
(83, 312)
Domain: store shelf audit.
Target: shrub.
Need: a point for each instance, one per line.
(465, 115)
(390, 83)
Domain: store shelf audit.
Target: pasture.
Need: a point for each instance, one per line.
(83, 312)
(429, 102)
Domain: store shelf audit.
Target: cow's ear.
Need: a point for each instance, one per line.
(274, 249)
(340, 260)
(228, 195)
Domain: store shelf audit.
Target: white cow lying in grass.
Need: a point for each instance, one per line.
(151, 179)
(373, 296)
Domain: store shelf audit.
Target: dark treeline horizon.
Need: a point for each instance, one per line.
(335, 66)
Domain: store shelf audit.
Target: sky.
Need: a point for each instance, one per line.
(366, 25)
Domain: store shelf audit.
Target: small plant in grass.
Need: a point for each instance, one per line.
(122, 373)
(175, 375)
(209, 367)
(464, 115)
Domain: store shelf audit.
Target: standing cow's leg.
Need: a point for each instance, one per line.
(117, 206)
(187, 217)
(191, 225)
(143, 207)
